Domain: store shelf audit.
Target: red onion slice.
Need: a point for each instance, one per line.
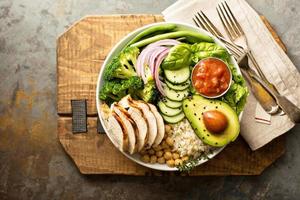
(158, 62)
(154, 56)
(166, 42)
(149, 56)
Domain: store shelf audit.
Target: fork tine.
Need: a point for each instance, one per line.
(230, 20)
(204, 24)
(223, 20)
(208, 27)
(199, 23)
(236, 23)
(211, 25)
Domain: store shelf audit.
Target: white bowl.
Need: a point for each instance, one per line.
(115, 50)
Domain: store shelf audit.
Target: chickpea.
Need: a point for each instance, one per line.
(153, 159)
(171, 163)
(175, 156)
(161, 160)
(167, 128)
(143, 152)
(151, 151)
(178, 162)
(170, 141)
(164, 145)
(168, 155)
(165, 136)
(185, 158)
(157, 148)
(146, 158)
(159, 153)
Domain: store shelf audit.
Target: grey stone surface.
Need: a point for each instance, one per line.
(33, 165)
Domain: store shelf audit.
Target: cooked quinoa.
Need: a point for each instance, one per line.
(186, 142)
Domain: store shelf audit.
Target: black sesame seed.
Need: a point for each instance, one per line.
(211, 102)
(195, 114)
(204, 130)
(199, 118)
(207, 135)
(194, 104)
(216, 143)
(203, 138)
(186, 105)
(216, 107)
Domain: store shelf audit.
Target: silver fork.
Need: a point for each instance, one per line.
(237, 35)
(262, 95)
(292, 111)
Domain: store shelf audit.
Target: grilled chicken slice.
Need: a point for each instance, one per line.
(116, 132)
(148, 116)
(141, 124)
(129, 126)
(160, 125)
(151, 121)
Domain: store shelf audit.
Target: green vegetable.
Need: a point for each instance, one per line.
(178, 57)
(148, 93)
(204, 49)
(114, 90)
(237, 93)
(190, 164)
(190, 36)
(123, 65)
(150, 31)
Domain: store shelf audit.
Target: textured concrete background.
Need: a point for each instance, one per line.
(33, 165)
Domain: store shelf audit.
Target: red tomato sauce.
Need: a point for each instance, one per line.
(211, 77)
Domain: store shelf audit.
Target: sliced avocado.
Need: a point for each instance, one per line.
(194, 108)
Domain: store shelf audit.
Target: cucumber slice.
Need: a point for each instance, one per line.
(176, 95)
(180, 87)
(178, 76)
(168, 111)
(174, 119)
(170, 103)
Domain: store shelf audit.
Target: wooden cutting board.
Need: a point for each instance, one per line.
(81, 51)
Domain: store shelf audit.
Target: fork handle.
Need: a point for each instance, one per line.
(261, 74)
(261, 94)
(292, 111)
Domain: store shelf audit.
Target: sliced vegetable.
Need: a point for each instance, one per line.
(178, 57)
(173, 119)
(170, 103)
(178, 76)
(176, 95)
(167, 110)
(182, 86)
(151, 30)
(189, 35)
(156, 71)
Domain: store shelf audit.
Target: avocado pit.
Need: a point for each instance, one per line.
(215, 121)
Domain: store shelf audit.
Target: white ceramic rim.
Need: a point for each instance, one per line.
(116, 49)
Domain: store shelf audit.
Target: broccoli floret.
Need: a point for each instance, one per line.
(149, 92)
(123, 65)
(114, 90)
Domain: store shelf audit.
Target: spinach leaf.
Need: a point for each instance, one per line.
(205, 49)
(178, 57)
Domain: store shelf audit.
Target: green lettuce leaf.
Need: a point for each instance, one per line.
(205, 49)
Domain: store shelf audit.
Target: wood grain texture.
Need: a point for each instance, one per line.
(93, 153)
(81, 51)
